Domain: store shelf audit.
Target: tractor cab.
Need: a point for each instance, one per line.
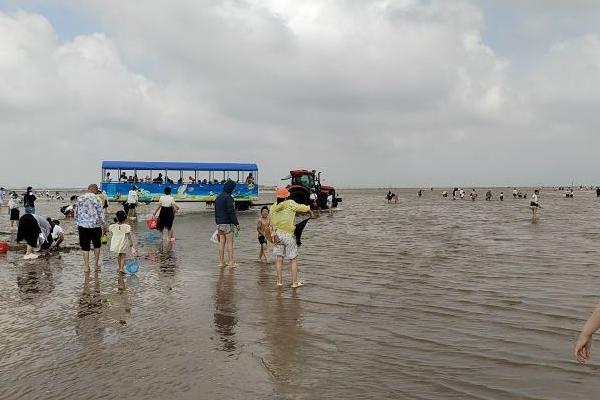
(306, 188)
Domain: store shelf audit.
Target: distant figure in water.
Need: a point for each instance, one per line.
(501, 196)
(473, 195)
(461, 194)
(420, 193)
(598, 191)
(488, 195)
(534, 204)
(515, 193)
(444, 194)
(391, 197)
(454, 193)
(330, 202)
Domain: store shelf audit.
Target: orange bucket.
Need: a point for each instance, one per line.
(3, 247)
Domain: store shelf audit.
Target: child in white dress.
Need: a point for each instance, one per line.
(120, 239)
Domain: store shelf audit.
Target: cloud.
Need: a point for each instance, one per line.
(374, 93)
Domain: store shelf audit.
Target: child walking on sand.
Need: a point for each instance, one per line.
(121, 237)
(263, 228)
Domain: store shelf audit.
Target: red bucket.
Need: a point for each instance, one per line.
(151, 223)
(3, 247)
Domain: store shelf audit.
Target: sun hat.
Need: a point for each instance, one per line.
(282, 193)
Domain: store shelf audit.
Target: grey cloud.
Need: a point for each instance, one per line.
(376, 93)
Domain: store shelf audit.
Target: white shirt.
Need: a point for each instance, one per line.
(13, 203)
(534, 198)
(132, 197)
(166, 201)
(119, 239)
(330, 199)
(56, 231)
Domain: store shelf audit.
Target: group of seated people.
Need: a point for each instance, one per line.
(159, 179)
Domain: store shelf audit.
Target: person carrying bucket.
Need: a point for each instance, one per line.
(227, 224)
(120, 239)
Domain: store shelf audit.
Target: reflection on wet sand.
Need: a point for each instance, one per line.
(120, 306)
(34, 280)
(225, 315)
(88, 327)
(283, 337)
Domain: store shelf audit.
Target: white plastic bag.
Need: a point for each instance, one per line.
(215, 237)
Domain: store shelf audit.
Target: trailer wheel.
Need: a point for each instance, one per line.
(242, 205)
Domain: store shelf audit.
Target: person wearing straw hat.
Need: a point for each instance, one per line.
(283, 215)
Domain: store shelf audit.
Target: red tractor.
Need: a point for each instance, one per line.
(306, 188)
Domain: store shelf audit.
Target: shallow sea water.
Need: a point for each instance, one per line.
(425, 299)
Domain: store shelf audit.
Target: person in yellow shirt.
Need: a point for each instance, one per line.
(283, 215)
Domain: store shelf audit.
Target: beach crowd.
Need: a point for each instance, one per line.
(279, 225)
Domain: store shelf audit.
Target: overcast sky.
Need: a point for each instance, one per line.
(373, 93)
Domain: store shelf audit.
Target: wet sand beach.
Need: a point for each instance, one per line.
(429, 298)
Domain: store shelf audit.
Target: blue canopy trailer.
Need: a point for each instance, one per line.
(203, 183)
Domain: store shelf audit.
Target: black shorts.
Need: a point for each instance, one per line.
(131, 206)
(165, 218)
(14, 214)
(533, 204)
(87, 235)
(262, 240)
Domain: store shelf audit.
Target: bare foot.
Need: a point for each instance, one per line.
(279, 284)
(232, 265)
(297, 285)
(221, 265)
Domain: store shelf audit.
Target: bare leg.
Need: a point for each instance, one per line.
(86, 261)
(221, 249)
(97, 259)
(171, 235)
(266, 252)
(294, 267)
(29, 250)
(229, 244)
(279, 266)
(121, 263)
